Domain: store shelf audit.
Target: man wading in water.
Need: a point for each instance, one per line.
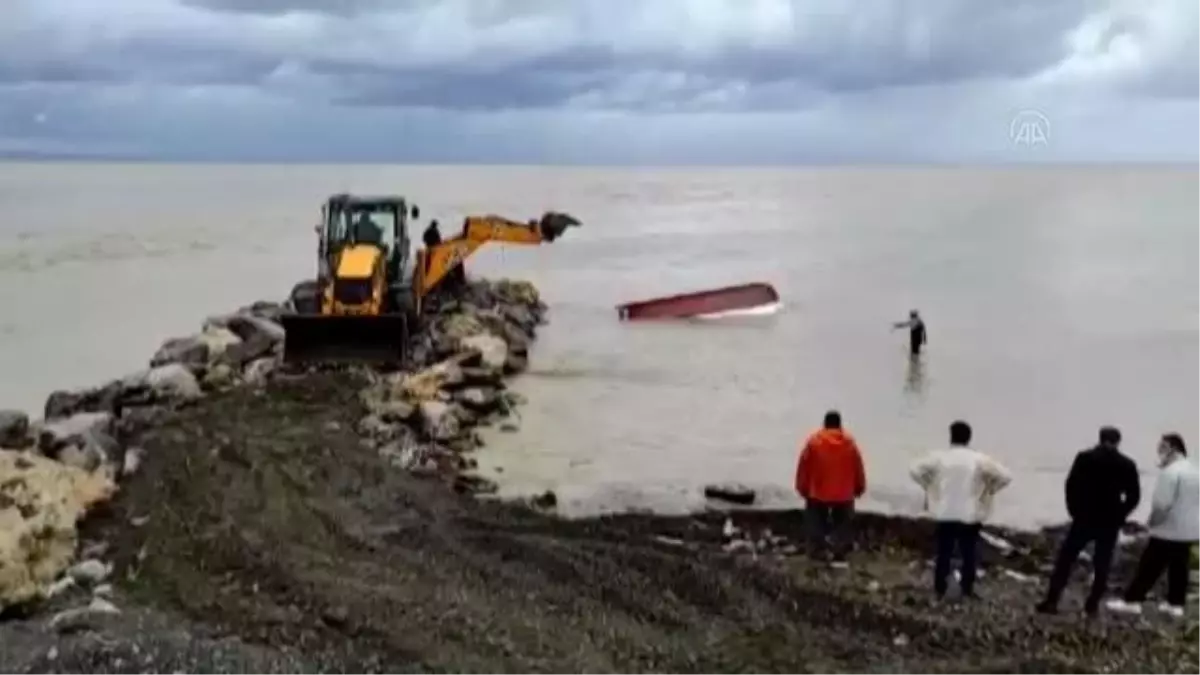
(916, 332)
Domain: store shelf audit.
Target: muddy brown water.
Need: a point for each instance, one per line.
(267, 519)
(1058, 299)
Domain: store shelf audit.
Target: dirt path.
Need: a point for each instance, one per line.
(269, 538)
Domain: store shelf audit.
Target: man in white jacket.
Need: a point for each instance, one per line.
(959, 484)
(1174, 529)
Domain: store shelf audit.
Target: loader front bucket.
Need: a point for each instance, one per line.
(315, 338)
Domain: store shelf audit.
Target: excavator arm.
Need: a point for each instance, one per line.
(433, 265)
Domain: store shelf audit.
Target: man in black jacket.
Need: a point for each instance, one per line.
(1102, 489)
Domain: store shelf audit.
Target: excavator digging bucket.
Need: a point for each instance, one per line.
(553, 224)
(314, 338)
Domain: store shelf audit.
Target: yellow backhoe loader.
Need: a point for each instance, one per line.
(370, 290)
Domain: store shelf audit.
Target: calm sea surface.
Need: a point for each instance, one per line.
(1057, 300)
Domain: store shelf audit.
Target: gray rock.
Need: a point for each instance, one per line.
(492, 349)
(402, 453)
(220, 376)
(173, 381)
(497, 323)
(99, 399)
(255, 347)
(86, 456)
(160, 384)
(189, 351)
(132, 461)
(440, 421)
(515, 363)
(90, 617)
(77, 428)
(264, 309)
(14, 429)
(90, 571)
(218, 340)
(478, 399)
(395, 410)
(374, 428)
(733, 493)
(59, 587)
(249, 327)
(522, 317)
(258, 370)
(481, 377)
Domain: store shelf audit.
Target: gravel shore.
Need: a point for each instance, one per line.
(261, 536)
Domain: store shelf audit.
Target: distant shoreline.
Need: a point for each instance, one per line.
(883, 165)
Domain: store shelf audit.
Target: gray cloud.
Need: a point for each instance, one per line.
(356, 51)
(833, 77)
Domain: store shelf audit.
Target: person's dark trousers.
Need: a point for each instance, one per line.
(1104, 540)
(828, 525)
(1160, 554)
(951, 535)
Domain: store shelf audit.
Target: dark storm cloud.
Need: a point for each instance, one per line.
(271, 7)
(947, 42)
(479, 10)
(597, 78)
(878, 44)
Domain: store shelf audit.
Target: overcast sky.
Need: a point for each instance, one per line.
(603, 81)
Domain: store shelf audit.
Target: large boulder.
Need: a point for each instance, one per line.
(172, 382)
(257, 346)
(512, 292)
(258, 370)
(403, 451)
(441, 421)
(250, 327)
(161, 384)
(190, 351)
(107, 398)
(515, 335)
(264, 309)
(54, 435)
(455, 327)
(426, 384)
(40, 503)
(478, 400)
(197, 351)
(492, 349)
(14, 429)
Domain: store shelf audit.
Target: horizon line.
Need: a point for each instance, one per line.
(881, 164)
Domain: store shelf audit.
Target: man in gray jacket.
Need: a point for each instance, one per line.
(1174, 529)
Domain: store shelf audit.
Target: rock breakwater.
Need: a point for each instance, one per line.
(55, 470)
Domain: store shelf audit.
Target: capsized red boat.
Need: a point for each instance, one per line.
(700, 303)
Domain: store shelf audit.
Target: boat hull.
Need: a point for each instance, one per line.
(701, 303)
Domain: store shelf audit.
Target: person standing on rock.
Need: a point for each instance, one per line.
(431, 237)
(959, 484)
(1102, 489)
(1174, 530)
(830, 477)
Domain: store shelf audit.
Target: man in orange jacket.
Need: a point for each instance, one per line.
(830, 476)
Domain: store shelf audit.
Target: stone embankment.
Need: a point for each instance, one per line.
(56, 470)
(220, 512)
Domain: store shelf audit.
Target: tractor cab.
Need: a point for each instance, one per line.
(350, 221)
